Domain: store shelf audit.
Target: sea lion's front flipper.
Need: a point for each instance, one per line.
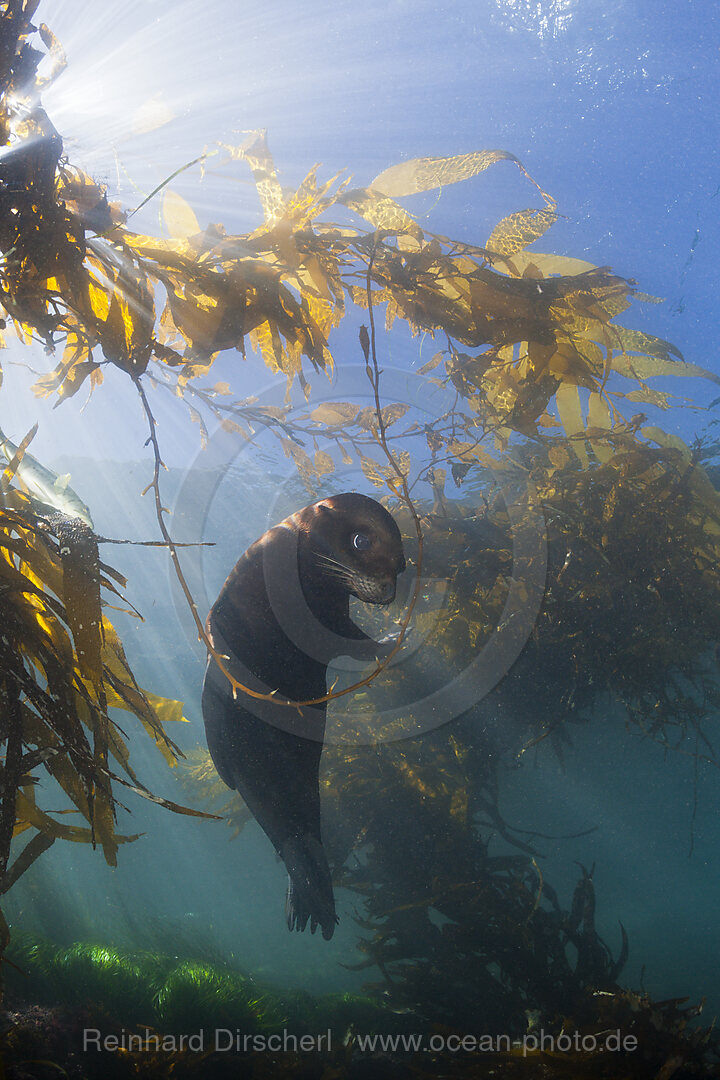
(310, 893)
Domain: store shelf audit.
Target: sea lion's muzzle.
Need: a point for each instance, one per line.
(387, 593)
(372, 590)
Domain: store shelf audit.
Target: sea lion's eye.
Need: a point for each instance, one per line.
(361, 542)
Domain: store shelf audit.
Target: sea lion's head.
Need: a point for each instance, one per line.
(355, 542)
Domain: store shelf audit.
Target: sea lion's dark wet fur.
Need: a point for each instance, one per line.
(281, 616)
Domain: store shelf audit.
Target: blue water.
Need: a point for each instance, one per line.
(612, 108)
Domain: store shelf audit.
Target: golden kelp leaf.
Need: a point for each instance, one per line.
(152, 114)
(469, 452)
(434, 362)
(57, 55)
(335, 413)
(102, 814)
(402, 460)
(281, 238)
(29, 811)
(123, 692)
(99, 299)
(647, 298)
(646, 396)
(516, 231)
(559, 456)
(318, 277)
(81, 592)
(11, 468)
(637, 341)
(178, 216)
(168, 254)
(168, 710)
(547, 265)
(323, 463)
(423, 174)
(86, 200)
(672, 442)
(381, 212)
(568, 406)
(366, 418)
(393, 413)
(598, 412)
(459, 804)
(648, 367)
(76, 377)
(197, 418)
(257, 154)
(372, 471)
(599, 417)
(126, 334)
(38, 732)
(303, 463)
(309, 200)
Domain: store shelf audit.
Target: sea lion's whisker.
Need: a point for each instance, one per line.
(333, 563)
(336, 569)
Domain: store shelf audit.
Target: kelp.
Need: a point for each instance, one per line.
(544, 385)
(63, 670)
(76, 274)
(458, 931)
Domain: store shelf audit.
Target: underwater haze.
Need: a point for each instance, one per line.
(567, 805)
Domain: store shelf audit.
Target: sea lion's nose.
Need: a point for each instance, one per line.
(388, 592)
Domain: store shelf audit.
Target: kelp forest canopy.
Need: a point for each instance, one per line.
(547, 388)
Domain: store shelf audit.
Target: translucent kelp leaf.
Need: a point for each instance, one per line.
(167, 710)
(559, 456)
(547, 265)
(568, 406)
(57, 56)
(257, 153)
(372, 471)
(169, 254)
(324, 464)
(76, 377)
(99, 299)
(81, 592)
(599, 417)
(303, 463)
(178, 216)
(153, 113)
(648, 367)
(647, 396)
(663, 438)
(434, 362)
(335, 413)
(12, 466)
(423, 174)
(392, 413)
(381, 211)
(29, 811)
(637, 341)
(518, 230)
(123, 692)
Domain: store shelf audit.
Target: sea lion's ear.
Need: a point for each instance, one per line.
(325, 507)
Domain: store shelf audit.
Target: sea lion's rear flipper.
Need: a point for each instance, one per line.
(310, 893)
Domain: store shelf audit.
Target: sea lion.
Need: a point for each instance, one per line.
(281, 616)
